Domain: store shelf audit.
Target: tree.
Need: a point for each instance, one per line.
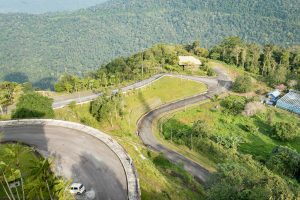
(248, 180)
(201, 129)
(106, 107)
(252, 59)
(33, 105)
(285, 131)
(8, 94)
(233, 104)
(242, 84)
(285, 161)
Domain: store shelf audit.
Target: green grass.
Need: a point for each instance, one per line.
(258, 144)
(198, 157)
(159, 179)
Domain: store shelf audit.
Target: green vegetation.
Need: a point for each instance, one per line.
(285, 131)
(159, 179)
(33, 105)
(21, 163)
(285, 161)
(242, 84)
(233, 104)
(160, 58)
(246, 179)
(39, 48)
(241, 146)
(9, 94)
(275, 64)
(106, 107)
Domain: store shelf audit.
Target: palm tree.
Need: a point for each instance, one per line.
(15, 151)
(3, 178)
(41, 171)
(61, 190)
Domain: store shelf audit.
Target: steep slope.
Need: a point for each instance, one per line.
(41, 47)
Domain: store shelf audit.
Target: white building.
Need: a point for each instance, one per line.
(189, 61)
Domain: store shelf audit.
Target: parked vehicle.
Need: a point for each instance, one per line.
(77, 188)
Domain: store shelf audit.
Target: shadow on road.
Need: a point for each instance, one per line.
(104, 179)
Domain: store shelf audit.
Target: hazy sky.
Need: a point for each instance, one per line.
(42, 6)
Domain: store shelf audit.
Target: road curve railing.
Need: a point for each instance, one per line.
(133, 188)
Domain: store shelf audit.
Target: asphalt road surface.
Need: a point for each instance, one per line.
(79, 156)
(215, 86)
(88, 98)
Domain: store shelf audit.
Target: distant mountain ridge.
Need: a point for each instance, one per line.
(39, 48)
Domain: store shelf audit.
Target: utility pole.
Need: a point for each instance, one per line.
(191, 140)
(142, 70)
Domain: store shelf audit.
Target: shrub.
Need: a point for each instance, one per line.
(285, 161)
(242, 84)
(251, 128)
(33, 105)
(233, 104)
(248, 180)
(201, 129)
(210, 72)
(285, 131)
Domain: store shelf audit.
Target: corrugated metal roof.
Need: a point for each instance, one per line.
(290, 101)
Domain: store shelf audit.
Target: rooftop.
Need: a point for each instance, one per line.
(290, 101)
(274, 93)
(189, 60)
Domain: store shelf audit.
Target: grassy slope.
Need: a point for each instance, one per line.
(257, 144)
(198, 157)
(159, 179)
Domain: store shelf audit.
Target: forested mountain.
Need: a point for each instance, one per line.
(39, 48)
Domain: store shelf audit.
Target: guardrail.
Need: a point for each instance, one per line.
(133, 188)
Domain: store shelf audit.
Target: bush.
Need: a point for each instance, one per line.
(201, 129)
(251, 128)
(33, 105)
(248, 180)
(233, 104)
(210, 72)
(285, 131)
(285, 161)
(242, 84)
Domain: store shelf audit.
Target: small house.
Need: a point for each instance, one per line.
(272, 97)
(189, 61)
(290, 102)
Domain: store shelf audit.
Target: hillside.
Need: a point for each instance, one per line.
(39, 48)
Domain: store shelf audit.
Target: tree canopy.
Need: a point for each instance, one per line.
(42, 47)
(33, 105)
(285, 161)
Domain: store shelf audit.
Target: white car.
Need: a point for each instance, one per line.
(77, 188)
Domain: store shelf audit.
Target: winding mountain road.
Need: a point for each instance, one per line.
(80, 153)
(215, 86)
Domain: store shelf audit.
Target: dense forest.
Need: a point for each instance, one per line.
(273, 63)
(39, 48)
(269, 63)
(158, 59)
